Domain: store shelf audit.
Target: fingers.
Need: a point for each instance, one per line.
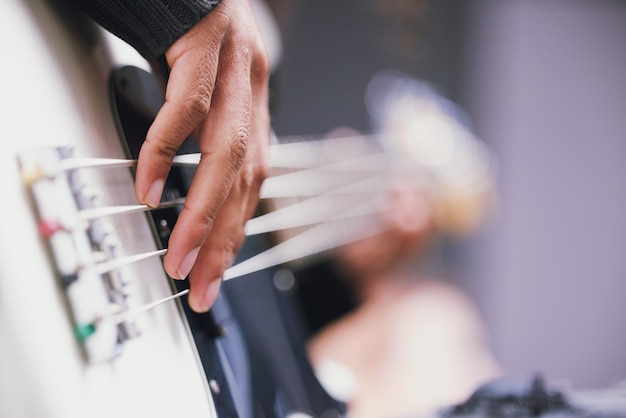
(223, 144)
(217, 86)
(187, 103)
(194, 60)
(219, 250)
(227, 235)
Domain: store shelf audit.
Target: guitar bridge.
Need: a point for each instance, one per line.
(78, 248)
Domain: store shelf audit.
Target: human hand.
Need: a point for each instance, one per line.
(218, 86)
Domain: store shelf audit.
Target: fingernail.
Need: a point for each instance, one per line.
(153, 197)
(188, 262)
(210, 295)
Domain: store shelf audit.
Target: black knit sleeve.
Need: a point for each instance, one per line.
(150, 26)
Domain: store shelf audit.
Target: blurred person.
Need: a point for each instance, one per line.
(414, 343)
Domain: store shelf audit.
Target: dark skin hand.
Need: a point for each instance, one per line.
(218, 88)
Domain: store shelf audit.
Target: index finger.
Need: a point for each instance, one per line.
(187, 103)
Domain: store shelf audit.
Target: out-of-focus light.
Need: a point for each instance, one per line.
(431, 132)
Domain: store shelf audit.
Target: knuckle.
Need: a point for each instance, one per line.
(239, 146)
(244, 49)
(166, 150)
(205, 218)
(208, 219)
(260, 68)
(221, 15)
(259, 172)
(247, 177)
(251, 176)
(225, 252)
(232, 245)
(196, 107)
(263, 172)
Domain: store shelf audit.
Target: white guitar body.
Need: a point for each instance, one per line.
(54, 92)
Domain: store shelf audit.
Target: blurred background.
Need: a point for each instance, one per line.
(542, 83)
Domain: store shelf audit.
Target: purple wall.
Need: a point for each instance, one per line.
(547, 88)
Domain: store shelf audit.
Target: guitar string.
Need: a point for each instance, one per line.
(325, 236)
(115, 263)
(314, 181)
(261, 224)
(370, 162)
(368, 185)
(303, 213)
(311, 210)
(285, 185)
(304, 182)
(125, 315)
(318, 168)
(316, 240)
(317, 209)
(99, 212)
(322, 238)
(84, 331)
(310, 153)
